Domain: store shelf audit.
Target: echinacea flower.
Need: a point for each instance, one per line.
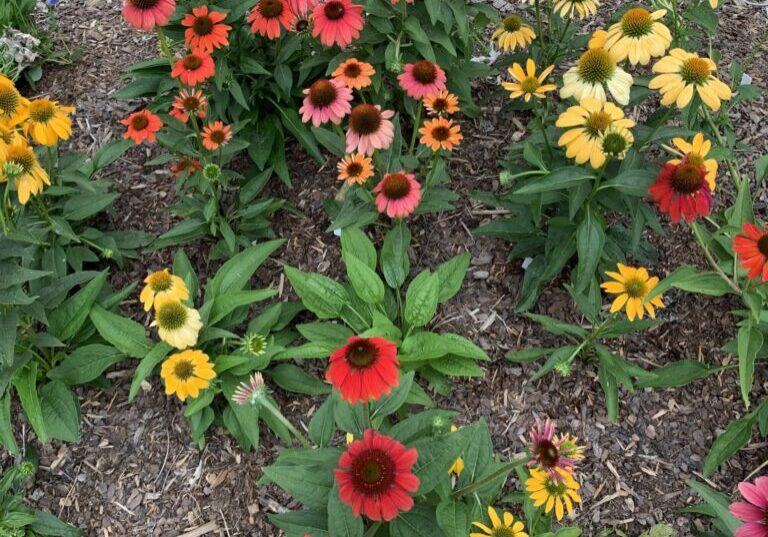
(615, 142)
(375, 477)
(267, 16)
(194, 68)
(364, 369)
(398, 194)
(586, 124)
(440, 133)
(186, 165)
(633, 285)
(142, 125)
(28, 175)
(8, 136)
(146, 14)
(162, 284)
(354, 73)
(558, 494)
(751, 248)
(249, 393)
(48, 123)
(596, 71)
(571, 8)
(527, 84)
(504, 526)
(442, 103)
(681, 73)
(696, 152)
(369, 129)
(638, 36)
(355, 168)
(550, 451)
(421, 79)
(682, 190)
(187, 103)
(513, 33)
(186, 373)
(205, 31)
(12, 104)
(177, 324)
(301, 7)
(216, 135)
(337, 22)
(753, 512)
(326, 100)
(458, 465)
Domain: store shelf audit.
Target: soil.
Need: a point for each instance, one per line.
(135, 470)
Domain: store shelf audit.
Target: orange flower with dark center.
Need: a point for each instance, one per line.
(268, 17)
(204, 30)
(364, 369)
(194, 68)
(187, 103)
(682, 189)
(751, 249)
(216, 135)
(142, 126)
(355, 169)
(441, 104)
(440, 133)
(354, 73)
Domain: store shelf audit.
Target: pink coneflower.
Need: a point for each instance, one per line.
(301, 7)
(194, 68)
(369, 129)
(422, 79)
(326, 100)
(146, 14)
(248, 393)
(754, 512)
(267, 16)
(337, 21)
(398, 194)
(552, 453)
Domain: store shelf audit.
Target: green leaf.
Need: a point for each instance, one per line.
(558, 328)
(148, 363)
(307, 484)
(46, 524)
(749, 342)
(437, 455)
(590, 239)
(677, 374)
(25, 382)
(366, 283)
(291, 120)
(299, 523)
(66, 320)
(323, 425)
(451, 275)
(355, 241)
(61, 411)
(394, 255)
(235, 273)
(453, 518)
(321, 295)
(225, 304)
(610, 387)
(456, 366)
(391, 403)
(634, 182)
(421, 299)
(329, 335)
(735, 436)
(341, 521)
(124, 334)
(718, 502)
(182, 267)
(527, 355)
(418, 522)
(294, 379)
(85, 364)
(557, 180)
(6, 426)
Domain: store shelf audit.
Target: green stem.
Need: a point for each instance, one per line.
(52, 167)
(732, 169)
(676, 23)
(659, 124)
(367, 415)
(267, 405)
(540, 124)
(416, 125)
(560, 41)
(539, 29)
(5, 218)
(373, 529)
(711, 260)
(519, 460)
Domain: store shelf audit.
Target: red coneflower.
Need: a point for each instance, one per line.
(753, 512)
(187, 103)
(204, 30)
(354, 73)
(421, 79)
(146, 14)
(551, 452)
(326, 100)
(267, 16)
(194, 68)
(216, 135)
(369, 129)
(752, 250)
(398, 194)
(375, 477)
(142, 125)
(682, 190)
(300, 7)
(186, 164)
(364, 369)
(337, 21)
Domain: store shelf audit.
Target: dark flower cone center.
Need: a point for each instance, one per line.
(22, 156)
(171, 316)
(9, 100)
(143, 4)
(688, 178)
(218, 136)
(184, 369)
(425, 72)
(614, 144)
(440, 105)
(503, 531)
(352, 70)
(191, 104)
(373, 472)
(322, 93)
(597, 122)
(365, 119)
(529, 84)
(637, 22)
(41, 111)
(441, 133)
(192, 62)
(354, 169)
(271, 9)
(512, 23)
(635, 288)
(362, 354)
(396, 186)
(596, 66)
(161, 282)
(203, 25)
(762, 245)
(334, 10)
(139, 122)
(302, 25)
(695, 71)
(547, 453)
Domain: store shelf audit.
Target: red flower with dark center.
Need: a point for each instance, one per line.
(146, 14)
(267, 16)
(142, 125)
(204, 29)
(422, 79)
(337, 22)
(752, 250)
(194, 68)
(364, 369)
(682, 190)
(375, 477)
(186, 164)
(398, 194)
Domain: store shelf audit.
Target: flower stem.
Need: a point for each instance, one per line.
(373, 529)
(732, 168)
(711, 260)
(415, 134)
(540, 123)
(366, 415)
(519, 460)
(538, 21)
(269, 407)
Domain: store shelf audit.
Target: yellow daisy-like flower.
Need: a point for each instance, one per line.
(177, 324)
(186, 373)
(458, 464)
(680, 73)
(586, 124)
(48, 122)
(571, 8)
(596, 71)
(696, 152)
(506, 527)
(12, 104)
(615, 141)
(713, 4)
(8, 136)
(21, 163)
(513, 33)
(632, 285)
(162, 283)
(638, 36)
(558, 494)
(528, 84)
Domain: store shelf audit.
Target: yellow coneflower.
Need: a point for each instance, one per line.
(506, 527)
(638, 36)
(632, 285)
(553, 493)
(458, 464)
(695, 152)
(355, 168)
(177, 324)
(513, 33)
(440, 133)
(186, 373)
(48, 122)
(680, 73)
(8, 136)
(571, 8)
(528, 84)
(162, 283)
(441, 104)
(596, 71)
(12, 104)
(21, 163)
(615, 141)
(586, 124)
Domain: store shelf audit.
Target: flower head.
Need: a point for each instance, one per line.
(142, 125)
(48, 122)
(186, 373)
(194, 68)
(189, 102)
(513, 33)
(558, 494)
(354, 74)
(753, 512)
(504, 526)
(22, 165)
(638, 36)
(8, 136)
(267, 16)
(633, 285)
(597, 71)
(337, 22)
(527, 84)
(12, 104)
(212, 172)
(254, 344)
(572, 8)
(681, 73)
(251, 392)
(442, 103)
(696, 152)
(375, 477)
(398, 194)
(364, 369)
(216, 135)
(355, 168)
(186, 165)
(162, 284)
(440, 133)
(550, 452)
(458, 465)
(615, 142)
(422, 78)
(751, 248)
(369, 129)
(204, 30)
(682, 190)
(300, 7)
(326, 100)
(146, 14)
(177, 324)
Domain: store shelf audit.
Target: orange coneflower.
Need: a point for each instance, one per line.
(440, 133)
(187, 103)
(142, 125)
(355, 168)
(204, 30)
(216, 135)
(194, 68)
(441, 104)
(186, 164)
(354, 73)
